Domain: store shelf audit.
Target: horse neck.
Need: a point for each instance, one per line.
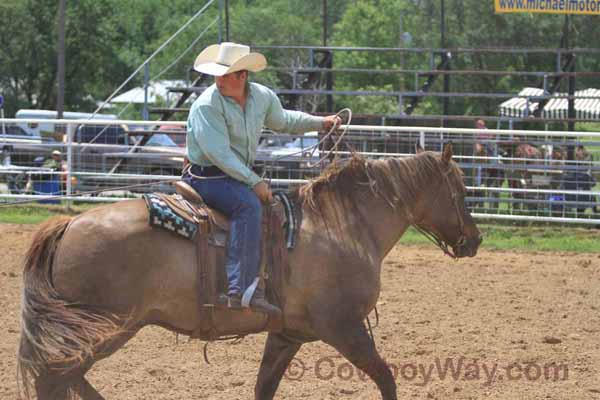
(383, 223)
(372, 223)
(385, 216)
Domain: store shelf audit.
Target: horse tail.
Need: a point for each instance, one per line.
(57, 335)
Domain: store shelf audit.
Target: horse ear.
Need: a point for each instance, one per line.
(418, 148)
(447, 154)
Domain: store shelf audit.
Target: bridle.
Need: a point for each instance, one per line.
(432, 234)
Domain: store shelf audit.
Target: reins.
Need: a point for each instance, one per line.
(434, 236)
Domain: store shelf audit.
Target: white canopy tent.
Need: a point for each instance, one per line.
(586, 108)
(156, 90)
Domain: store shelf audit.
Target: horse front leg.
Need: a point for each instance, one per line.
(351, 339)
(277, 355)
(50, 387)
(85, 390)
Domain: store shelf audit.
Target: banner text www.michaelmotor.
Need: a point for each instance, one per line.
(589, 7)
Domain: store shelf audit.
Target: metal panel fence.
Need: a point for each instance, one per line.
(510, 174)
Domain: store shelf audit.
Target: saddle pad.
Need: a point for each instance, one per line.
(162, 216)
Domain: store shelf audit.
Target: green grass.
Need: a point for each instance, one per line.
(36, 213)
(549, 238)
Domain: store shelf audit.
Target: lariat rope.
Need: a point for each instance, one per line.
(310, 150)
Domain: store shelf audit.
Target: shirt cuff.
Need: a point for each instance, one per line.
(316, 123)
(253, 180)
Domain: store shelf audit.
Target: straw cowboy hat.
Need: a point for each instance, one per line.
(227, 57)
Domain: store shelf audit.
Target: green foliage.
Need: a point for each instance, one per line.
(108, 39)
(28, 42)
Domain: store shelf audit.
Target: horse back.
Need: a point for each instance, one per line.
(111, 257)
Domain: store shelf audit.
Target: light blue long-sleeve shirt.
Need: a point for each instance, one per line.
(221, 133)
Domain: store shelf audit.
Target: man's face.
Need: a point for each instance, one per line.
(231, 84)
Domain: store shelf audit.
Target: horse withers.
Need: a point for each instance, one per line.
(93, 281)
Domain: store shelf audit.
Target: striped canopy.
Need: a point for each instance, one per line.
(586, 108)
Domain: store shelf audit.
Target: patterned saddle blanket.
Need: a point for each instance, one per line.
(186, 214)
(162, 215)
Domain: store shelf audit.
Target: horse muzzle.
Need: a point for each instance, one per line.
(468, 247)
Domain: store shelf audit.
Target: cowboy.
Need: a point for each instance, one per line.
(55, 162)
(223, 129)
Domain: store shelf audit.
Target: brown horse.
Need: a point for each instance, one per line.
(93, 281)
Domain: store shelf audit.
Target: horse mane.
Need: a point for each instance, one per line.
(397, 181)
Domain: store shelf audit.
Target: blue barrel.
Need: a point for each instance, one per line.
(47, 188)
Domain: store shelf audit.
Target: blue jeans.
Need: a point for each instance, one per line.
(238, 202)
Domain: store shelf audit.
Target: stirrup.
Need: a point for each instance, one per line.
(233, 302)
(261, 304)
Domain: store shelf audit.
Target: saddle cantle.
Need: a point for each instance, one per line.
(186, 214)
(189, 194)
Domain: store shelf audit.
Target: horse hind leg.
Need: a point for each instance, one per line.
(51, 387)
(56, 386)
(85, 390)
(80, 384)
(60, 388)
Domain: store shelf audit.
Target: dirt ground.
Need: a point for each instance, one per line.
(502, 325)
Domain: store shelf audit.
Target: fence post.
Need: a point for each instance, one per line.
(400, 105)
(70, 131)
(416, 81)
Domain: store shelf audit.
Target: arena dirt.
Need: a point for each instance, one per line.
(511, 325)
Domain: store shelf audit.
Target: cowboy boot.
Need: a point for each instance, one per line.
(259, 303)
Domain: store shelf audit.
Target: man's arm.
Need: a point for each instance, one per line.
(281, 120)
(210, 130)
(289, 121)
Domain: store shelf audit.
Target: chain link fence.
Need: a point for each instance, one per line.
(510, 174)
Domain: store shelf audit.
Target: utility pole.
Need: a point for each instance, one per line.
(227, 20)
(443, 24)
(444, 58)
(220, 16)
(60, 96)
(571, 103)
(571, 115)
(325, 22)
(328, 54)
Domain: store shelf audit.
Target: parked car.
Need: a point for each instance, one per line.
(19, 152)
(288, 157)
(48, 129)
(96, 148)
(23, 147)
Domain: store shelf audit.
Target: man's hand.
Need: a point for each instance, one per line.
(330, 121)
(263, 192)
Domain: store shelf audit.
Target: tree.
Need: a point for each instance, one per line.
(106, 40)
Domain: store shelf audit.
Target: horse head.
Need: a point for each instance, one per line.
(442, 215)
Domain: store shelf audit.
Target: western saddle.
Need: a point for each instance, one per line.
(211, 241)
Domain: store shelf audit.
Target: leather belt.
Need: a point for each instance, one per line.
(207, 171)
